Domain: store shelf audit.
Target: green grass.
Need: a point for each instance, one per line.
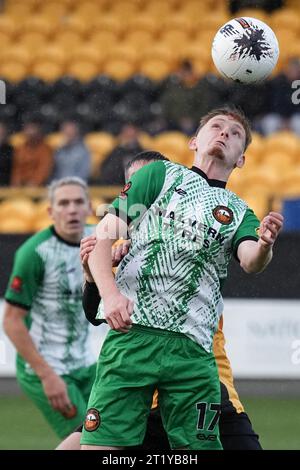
(277, 421)
(23, 426)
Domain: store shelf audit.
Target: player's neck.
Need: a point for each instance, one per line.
(212, 170)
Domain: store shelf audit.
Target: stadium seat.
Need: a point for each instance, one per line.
(13, 71)
(68, 39)
(55, 140)
(84, 70)
(119, 69)
(156, 69)
(47, 70)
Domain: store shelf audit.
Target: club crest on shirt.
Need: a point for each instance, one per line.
(223, 214)
(92, 420)
(124, 191)
(16, 284)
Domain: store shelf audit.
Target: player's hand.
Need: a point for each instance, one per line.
(117, 312)
(56, 391)
(119, 251)
(87, 245)
(269, 229)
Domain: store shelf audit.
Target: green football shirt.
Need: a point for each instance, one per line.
(184, 230)
(47, 281)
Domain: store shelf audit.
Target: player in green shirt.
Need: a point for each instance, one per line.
(43, 313)
(184, 227)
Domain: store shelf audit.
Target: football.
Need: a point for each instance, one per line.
(245, 50)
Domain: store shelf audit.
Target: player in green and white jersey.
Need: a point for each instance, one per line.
(184, 227)
(43, 314)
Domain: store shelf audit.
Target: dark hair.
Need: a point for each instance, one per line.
(234, 112)
(147, 156)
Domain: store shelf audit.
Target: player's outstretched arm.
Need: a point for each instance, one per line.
(255, 256)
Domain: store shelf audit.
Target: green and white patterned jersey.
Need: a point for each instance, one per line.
(47, 281)
(184, 231)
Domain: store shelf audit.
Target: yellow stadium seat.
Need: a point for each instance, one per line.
(40, 223)
(123, 52)
(282, 161)
(41, 209)
(5, 40)
(124, 9)
(175, 39)
(283, 141)
(158, 9)
(87, 10)
(77, 24)
(22, 205)
(53, 9)
(33, 40)
(20, 10)
(256, 148)
(108, 23)
(13, 71)
(102, 39)
(139, 38)
(284, 18)
(86, 53)
(119, 69)
(18, 54)
(55, 140)
(100, 142)
(259, 203)
(47, 70)
(17, 139)
(67, 40)
(15, 225)
(52, 53)
(83, 70)
(290, 183)
(143, 22)
(177, 23)
(39, 24)
(173, 144)
(156, 69)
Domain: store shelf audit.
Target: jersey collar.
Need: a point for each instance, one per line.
(211, 182)
(62, 239)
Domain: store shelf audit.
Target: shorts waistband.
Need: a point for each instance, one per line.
(158, 331)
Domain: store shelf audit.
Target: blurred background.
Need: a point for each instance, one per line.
(90, 83)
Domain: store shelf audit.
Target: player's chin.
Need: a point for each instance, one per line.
(218, 152)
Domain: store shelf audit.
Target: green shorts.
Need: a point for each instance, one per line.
(79, 384)
(130, 367)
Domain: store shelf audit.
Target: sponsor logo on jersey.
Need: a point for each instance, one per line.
(180, 191)
(223, 214)
(16, 284)
(92, 420)
(124, 191)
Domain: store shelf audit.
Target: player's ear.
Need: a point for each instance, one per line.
(193, 144)
(50, 212)
(241, 161)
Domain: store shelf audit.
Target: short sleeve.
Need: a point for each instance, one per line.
(26, 277)
(247, 230)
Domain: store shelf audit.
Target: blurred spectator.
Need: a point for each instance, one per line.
(283, 112)
(268, 5)
(73, 158)
(6, 156)
(112, 169)
(186, 99)
(33, 160)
